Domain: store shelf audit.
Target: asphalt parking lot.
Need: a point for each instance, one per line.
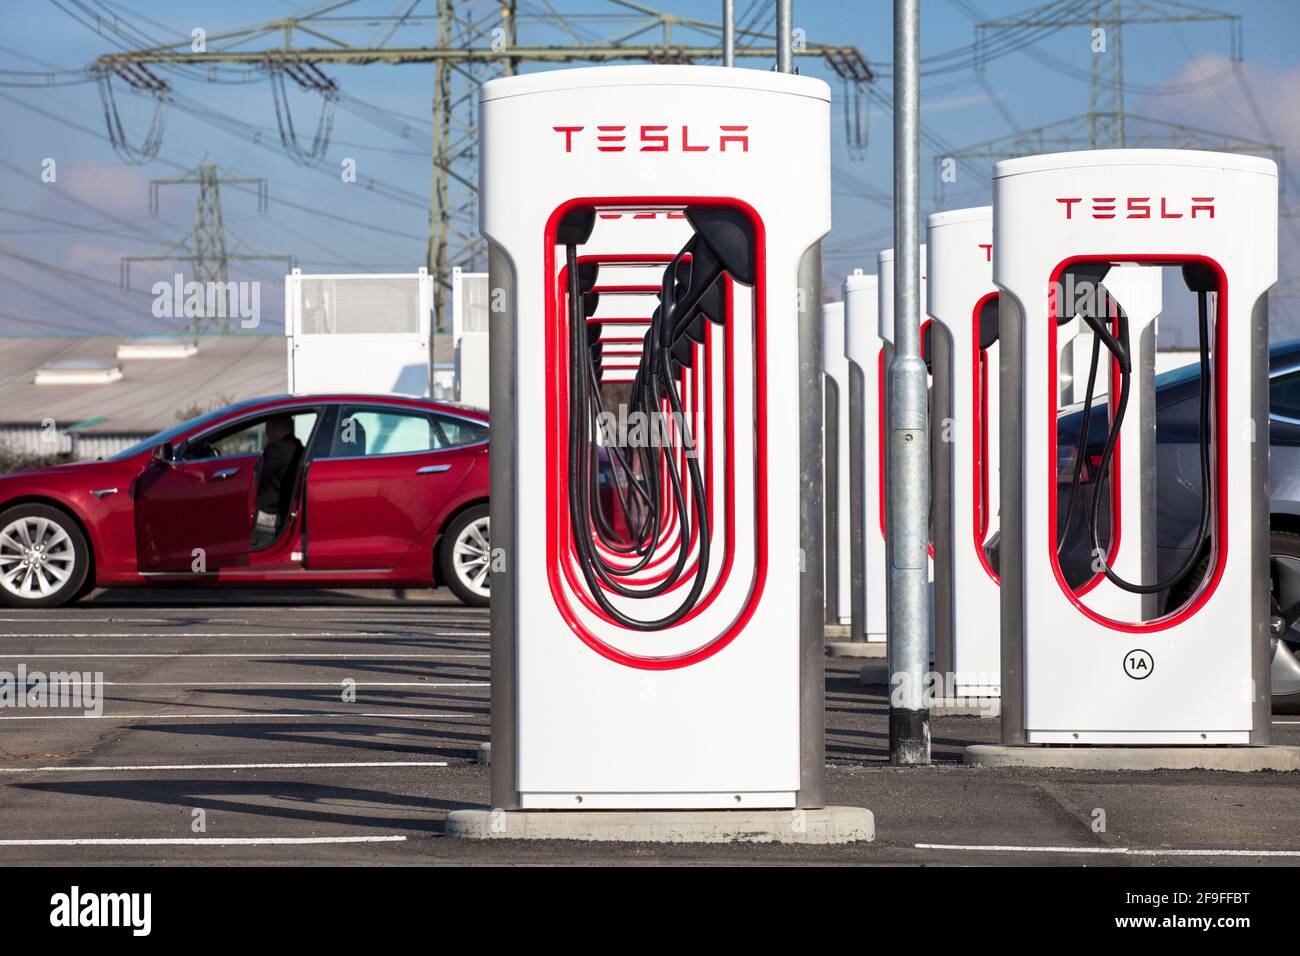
(225, 737)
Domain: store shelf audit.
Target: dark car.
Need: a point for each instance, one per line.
(1178, 500)
(367, 491)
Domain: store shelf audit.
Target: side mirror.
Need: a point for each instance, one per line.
(165, 453)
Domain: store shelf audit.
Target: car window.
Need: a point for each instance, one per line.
(248, 437)
(461, 431)
(1284, 395)
(370, 431)
(171, 434)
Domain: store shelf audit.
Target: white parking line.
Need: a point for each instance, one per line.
(251, 656)
(203, 841)
(153, 768)
(1103, 850)
(272, 683)
(247, 716)
(413, 632)
(343, 619)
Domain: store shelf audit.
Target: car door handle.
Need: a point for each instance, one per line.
(225, 473)
(433, 469)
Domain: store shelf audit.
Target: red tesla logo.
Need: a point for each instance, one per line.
(1139, 207)
(656, 138)
(988, 251)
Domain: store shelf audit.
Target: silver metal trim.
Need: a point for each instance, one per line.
(1011, 558)
(942, 500)
(104, 492)
(857, 505)
(432, 469)
(503, 462)
(831, 497)
(812, 599)
(1261, 646)
(240, 572)
(225, 473)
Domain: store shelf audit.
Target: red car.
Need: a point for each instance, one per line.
(368, 491)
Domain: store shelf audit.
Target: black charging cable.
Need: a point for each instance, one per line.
(1117, 345)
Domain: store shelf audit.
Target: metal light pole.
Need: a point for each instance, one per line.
(728, 32)
(784, 36)
(909, 472)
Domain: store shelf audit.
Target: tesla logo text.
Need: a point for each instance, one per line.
(656, 138)
(988, 251)
(1138, 207)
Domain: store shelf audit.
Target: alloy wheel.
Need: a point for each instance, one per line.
(37, 557)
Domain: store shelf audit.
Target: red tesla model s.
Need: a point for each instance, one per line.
(293, 491)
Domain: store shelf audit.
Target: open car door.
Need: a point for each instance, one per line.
(194, 512)
(193, 515)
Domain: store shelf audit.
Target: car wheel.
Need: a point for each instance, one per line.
(466, 557)
(44, 557)
(1284, 623)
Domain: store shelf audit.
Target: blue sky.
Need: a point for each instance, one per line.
(98, 208)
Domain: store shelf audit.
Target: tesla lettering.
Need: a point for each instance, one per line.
(1139, 207)
(657, 138)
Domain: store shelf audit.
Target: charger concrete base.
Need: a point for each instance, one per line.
(855, 649)
(1238, 759)
(827, 825)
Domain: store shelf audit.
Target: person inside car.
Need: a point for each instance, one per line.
(275, 475)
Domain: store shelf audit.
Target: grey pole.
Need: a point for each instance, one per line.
(784, 36)
(909, 472)
(728, 32)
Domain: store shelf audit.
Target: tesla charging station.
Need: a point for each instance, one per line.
(963, 353)
(839, 585)
(1194, 669)
(863, 349)
(656, 621)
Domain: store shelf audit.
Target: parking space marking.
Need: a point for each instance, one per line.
(250, 655)
(246, 716)
(203, 841)
(1107, 850)
(411, 632)
(273, 683)
(39, 619)
(155, 767)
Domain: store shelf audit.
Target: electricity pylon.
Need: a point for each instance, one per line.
(206, 248)
(474, 40)
(1107, 123)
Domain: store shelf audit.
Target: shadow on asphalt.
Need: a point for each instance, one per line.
(268, 597)
(295, 800)
(308, 738)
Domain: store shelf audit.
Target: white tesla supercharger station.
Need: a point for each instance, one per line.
(963, 343)
(885, 327)
(865, 354)
(836, 483)
(1198, 671)
(644, 657)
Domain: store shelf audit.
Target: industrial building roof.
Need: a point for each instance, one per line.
(150, 391)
